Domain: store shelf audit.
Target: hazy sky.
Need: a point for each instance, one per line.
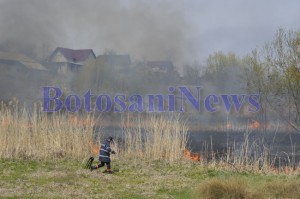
(240, 25)
(178, 30)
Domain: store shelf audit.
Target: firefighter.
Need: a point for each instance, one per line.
(104, 155)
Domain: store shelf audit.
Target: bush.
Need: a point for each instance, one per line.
(227, 189)
(283, 189)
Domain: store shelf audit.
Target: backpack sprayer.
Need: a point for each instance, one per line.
(89, 163)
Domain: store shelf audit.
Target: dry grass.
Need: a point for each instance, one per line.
(239, 188)
(232, 188)
(149, 161)
(143, 179)
(67, 179)
(37, 135)
(283, 189)
(163, 137)
(156, 138)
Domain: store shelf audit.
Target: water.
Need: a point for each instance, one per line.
(282, 146)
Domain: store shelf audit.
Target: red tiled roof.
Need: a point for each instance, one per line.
(74, 55)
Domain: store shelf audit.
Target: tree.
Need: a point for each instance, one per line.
(275, 74)
(191, 75)
(96, 75)
(223, 73)
(256, 78)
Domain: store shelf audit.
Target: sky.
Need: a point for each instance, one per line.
(240, 26)
(183, 31)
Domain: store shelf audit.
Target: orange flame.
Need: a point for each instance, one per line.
(75, 120)
(29, 125)
(254, 125)
(229, 125)
(95, 149)
(6, 122)
(192, 156)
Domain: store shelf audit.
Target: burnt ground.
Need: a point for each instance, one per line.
(282, 146)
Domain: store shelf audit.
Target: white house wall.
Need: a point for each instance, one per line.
(58, 57)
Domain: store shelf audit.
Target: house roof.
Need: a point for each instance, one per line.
(71, 55)
(22, 59)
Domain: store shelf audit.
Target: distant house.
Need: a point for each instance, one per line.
(160, 66)
(21, 77)
(120, 63)
(19, 62)
(64, 59)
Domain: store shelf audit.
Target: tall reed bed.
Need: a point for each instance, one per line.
(37, 135)
(247, 155)
(162, 137)
(157, 137)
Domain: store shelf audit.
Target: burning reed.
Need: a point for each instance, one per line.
(37, 135)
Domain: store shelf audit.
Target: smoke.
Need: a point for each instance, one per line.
(153, 30)
(25, 27)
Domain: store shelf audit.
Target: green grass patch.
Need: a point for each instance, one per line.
(138, 179)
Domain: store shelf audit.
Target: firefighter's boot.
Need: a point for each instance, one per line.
(94, 168)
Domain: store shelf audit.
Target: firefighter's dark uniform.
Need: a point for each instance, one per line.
(104, 155)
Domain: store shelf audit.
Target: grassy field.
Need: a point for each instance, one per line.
(138, 179)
